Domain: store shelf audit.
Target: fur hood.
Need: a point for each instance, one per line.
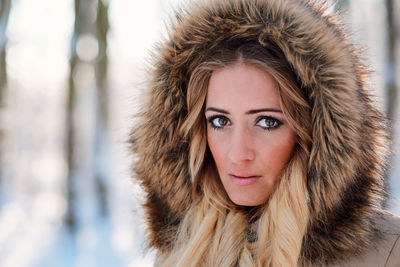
(350, 143)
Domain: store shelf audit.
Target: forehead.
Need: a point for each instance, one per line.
(242, 86)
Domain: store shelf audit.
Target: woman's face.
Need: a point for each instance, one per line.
(247, 133)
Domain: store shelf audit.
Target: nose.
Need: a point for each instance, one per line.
(241, 149)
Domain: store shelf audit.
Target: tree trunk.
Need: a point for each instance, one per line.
(83, 25)
(5, 8)
(101, 141)
(393, 27)
(70, 219)
(4, 15)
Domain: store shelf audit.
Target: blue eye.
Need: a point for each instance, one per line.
(268, 123)
(218, 122)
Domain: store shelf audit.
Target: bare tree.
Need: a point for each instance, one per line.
(393, 23)
(71, 99)
(101, 142)
(93, 22)
(83, 25)
(4, 15)
(5, 8)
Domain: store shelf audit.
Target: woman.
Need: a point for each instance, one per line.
(258, 144)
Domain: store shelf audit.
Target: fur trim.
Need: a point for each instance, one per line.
(350, 142)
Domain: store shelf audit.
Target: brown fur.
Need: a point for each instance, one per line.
(350, 144)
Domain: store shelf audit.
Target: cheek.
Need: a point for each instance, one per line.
(219, 148)
(216, 148)
(279, 152)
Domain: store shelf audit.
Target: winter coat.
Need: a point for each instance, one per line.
(350, 148)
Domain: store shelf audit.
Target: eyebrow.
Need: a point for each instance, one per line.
(217, 110)
(253, 111)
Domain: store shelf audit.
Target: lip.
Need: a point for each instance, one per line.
(243, 180)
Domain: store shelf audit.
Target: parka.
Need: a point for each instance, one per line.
(350, 148)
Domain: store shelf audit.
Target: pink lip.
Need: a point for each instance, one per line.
(243, 180)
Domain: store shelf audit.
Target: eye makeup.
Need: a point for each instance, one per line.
(268, 123)
(218, 121)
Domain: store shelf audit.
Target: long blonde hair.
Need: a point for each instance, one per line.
(216, 232)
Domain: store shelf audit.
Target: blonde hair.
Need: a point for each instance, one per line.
(215, 231)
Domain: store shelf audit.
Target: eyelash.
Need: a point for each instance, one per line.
(211, 121)
(277, 122)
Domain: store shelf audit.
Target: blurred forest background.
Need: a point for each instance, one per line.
(70, 75)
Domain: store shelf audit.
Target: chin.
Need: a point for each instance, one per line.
(247, 202)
